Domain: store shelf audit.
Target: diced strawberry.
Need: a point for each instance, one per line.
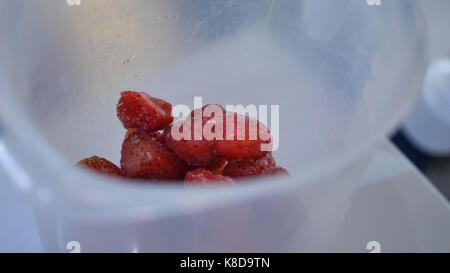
(156, 134)
(249, 167)
(195, 149)
(193, 152)
(101, 165)
(219, 166)
(137, 110)
(248, 139)
(143, 156)
(204, 176)
(130, 131)
(208, 111)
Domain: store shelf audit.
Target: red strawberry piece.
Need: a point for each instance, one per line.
(204, 176)
(187, 140)
(249, 167)
(143, 156)
(130, 131)
(156, 135)
(207, 111)
(101, 165)
(141, 111)
(248, 139)
(193, 152)
(219, 166)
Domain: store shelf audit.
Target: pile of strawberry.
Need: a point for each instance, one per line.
(150, 151)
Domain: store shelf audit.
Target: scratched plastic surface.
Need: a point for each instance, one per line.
(342, 72)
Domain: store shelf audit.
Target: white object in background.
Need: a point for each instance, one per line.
(428, 126)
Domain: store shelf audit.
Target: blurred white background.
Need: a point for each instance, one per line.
(437, 16)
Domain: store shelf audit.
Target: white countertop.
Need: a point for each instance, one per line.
(395, 206)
